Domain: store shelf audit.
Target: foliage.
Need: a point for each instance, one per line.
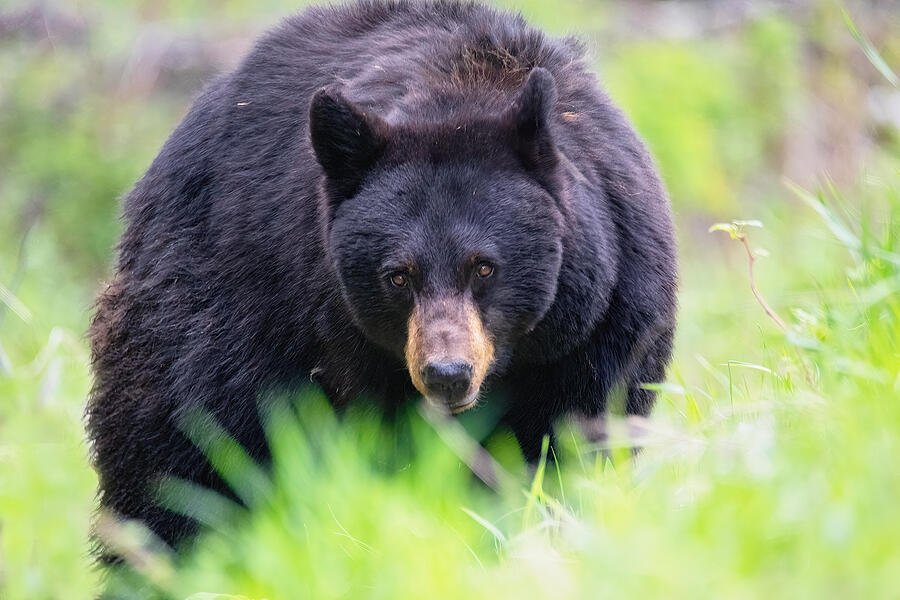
(712, 111)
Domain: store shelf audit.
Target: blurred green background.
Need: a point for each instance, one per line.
(769, 468)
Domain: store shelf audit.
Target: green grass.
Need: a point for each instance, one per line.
(767, 469)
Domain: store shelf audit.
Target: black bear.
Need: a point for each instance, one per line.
(391, 198)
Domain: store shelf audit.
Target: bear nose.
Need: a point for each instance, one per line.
(449, 380)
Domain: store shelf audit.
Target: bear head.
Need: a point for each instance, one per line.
(446, 237)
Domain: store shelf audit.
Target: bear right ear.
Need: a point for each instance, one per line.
(530, 118)
(345, 139)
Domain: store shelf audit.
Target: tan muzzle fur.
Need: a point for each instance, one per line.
(447, 330)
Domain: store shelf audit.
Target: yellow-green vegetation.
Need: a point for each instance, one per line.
(767, 470)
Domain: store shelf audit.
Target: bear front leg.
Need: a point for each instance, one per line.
(540, 395)
(582, 384)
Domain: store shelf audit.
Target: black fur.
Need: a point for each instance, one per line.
(356, 140)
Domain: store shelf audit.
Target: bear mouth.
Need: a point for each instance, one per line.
(465, 404)
(457, 407)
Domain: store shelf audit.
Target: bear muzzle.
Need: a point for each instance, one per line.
(448, 352)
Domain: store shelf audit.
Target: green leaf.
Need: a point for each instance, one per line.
(870, 51)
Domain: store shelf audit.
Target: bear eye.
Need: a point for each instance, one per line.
(399, 280)
(484, 270)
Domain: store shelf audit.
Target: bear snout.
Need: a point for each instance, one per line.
(448, 351)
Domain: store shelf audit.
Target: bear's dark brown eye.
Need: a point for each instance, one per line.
(399, 280)
(484, 270)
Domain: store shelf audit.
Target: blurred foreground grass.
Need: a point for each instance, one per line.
(768, 466)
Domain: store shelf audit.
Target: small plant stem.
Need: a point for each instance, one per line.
(762, 301)
(765, 305)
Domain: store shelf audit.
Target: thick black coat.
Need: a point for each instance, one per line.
(255, 258)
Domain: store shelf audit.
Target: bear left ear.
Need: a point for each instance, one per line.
(346, 139)
(530, 117)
